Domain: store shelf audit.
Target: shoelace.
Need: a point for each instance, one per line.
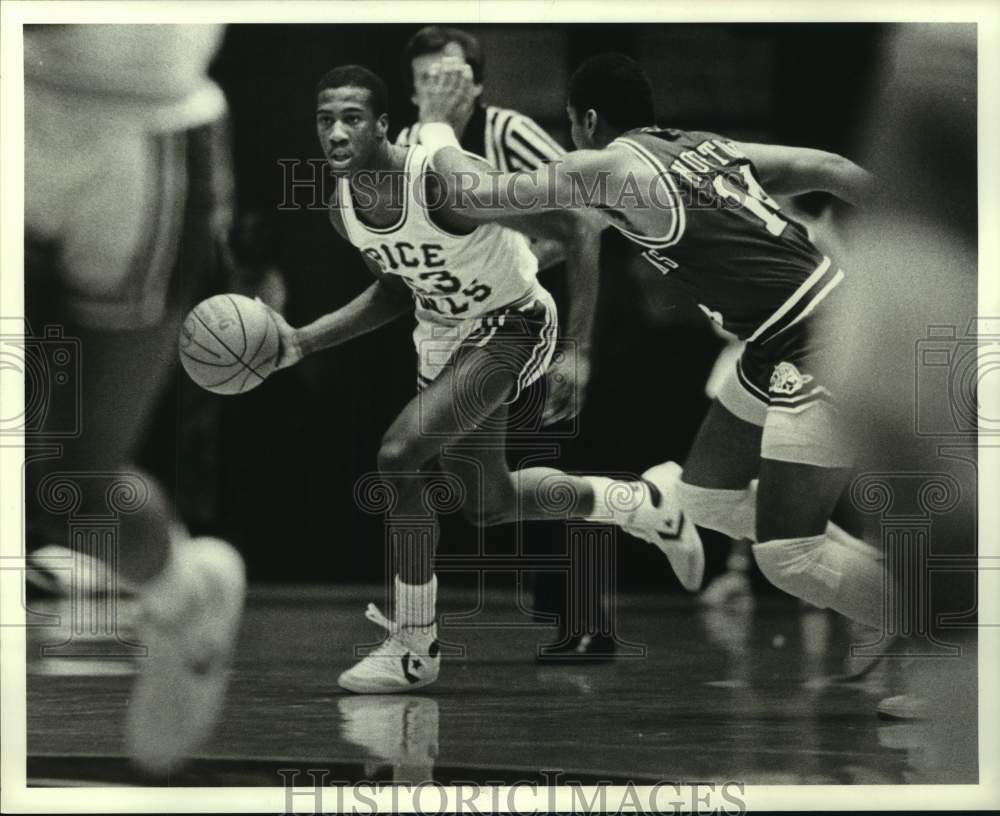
(396, 635)
(374, 614)
(392, 644)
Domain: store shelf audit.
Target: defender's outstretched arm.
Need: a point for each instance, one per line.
(797, 170)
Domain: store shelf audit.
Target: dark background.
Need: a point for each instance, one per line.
(274, 470)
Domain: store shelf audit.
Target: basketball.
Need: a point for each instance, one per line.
(229, 344)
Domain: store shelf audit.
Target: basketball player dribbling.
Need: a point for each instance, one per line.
(485, 332)
(696, 206)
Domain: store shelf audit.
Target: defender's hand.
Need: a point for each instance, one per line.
(290, 348)
(567, 380)
(447, 94)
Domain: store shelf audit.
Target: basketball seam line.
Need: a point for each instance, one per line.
(260, 345)
(229, 379)
(221, 343)
(206, 349)
(243, 328)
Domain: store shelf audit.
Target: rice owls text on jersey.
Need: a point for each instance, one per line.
(452, 277)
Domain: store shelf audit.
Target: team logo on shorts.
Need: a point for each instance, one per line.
(787, 379)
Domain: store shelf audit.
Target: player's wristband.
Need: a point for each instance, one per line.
(437, 135)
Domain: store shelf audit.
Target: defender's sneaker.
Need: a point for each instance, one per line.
(61, 572)
(408, 659)
(189, 621)
(659, 520)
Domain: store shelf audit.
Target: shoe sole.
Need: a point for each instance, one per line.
(177, 697)
(361, 688)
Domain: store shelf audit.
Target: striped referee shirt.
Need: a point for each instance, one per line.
(508, 140)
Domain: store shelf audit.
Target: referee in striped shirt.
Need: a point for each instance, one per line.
(511, 141)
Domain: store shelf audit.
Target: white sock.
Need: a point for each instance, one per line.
(826, 573)
(614, 499)
(416, 604)
(861, 595)
(841, 536)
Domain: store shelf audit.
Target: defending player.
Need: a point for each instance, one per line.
(696, 205)
(485, 331)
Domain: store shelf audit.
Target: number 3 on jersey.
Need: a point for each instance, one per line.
(753, 198)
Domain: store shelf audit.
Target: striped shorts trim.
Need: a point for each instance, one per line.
(813, 290)
(523, 335)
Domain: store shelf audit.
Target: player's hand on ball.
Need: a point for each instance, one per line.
(290, 348)
(448, 93)
(567, 380)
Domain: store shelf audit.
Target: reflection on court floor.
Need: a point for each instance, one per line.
(742, 694)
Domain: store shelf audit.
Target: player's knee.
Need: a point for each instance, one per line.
(729, 511)
(796, 566)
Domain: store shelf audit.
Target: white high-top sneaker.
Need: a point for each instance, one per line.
(189, 621)
(658, 519)
(408, 659)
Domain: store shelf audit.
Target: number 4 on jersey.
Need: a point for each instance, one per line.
(753, 198)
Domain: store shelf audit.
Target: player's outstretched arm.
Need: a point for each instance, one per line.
(798, 170)
(379, 304)
(577, 181)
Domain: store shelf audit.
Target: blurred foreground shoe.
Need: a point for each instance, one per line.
(189, 621)
(58, 571)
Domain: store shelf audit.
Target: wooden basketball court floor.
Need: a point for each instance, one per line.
(709, 695)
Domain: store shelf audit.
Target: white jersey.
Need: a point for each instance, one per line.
(453, 277)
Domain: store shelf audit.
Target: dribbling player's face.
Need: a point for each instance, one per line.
(348, 129)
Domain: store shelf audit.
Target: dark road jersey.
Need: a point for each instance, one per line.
(724, 241)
